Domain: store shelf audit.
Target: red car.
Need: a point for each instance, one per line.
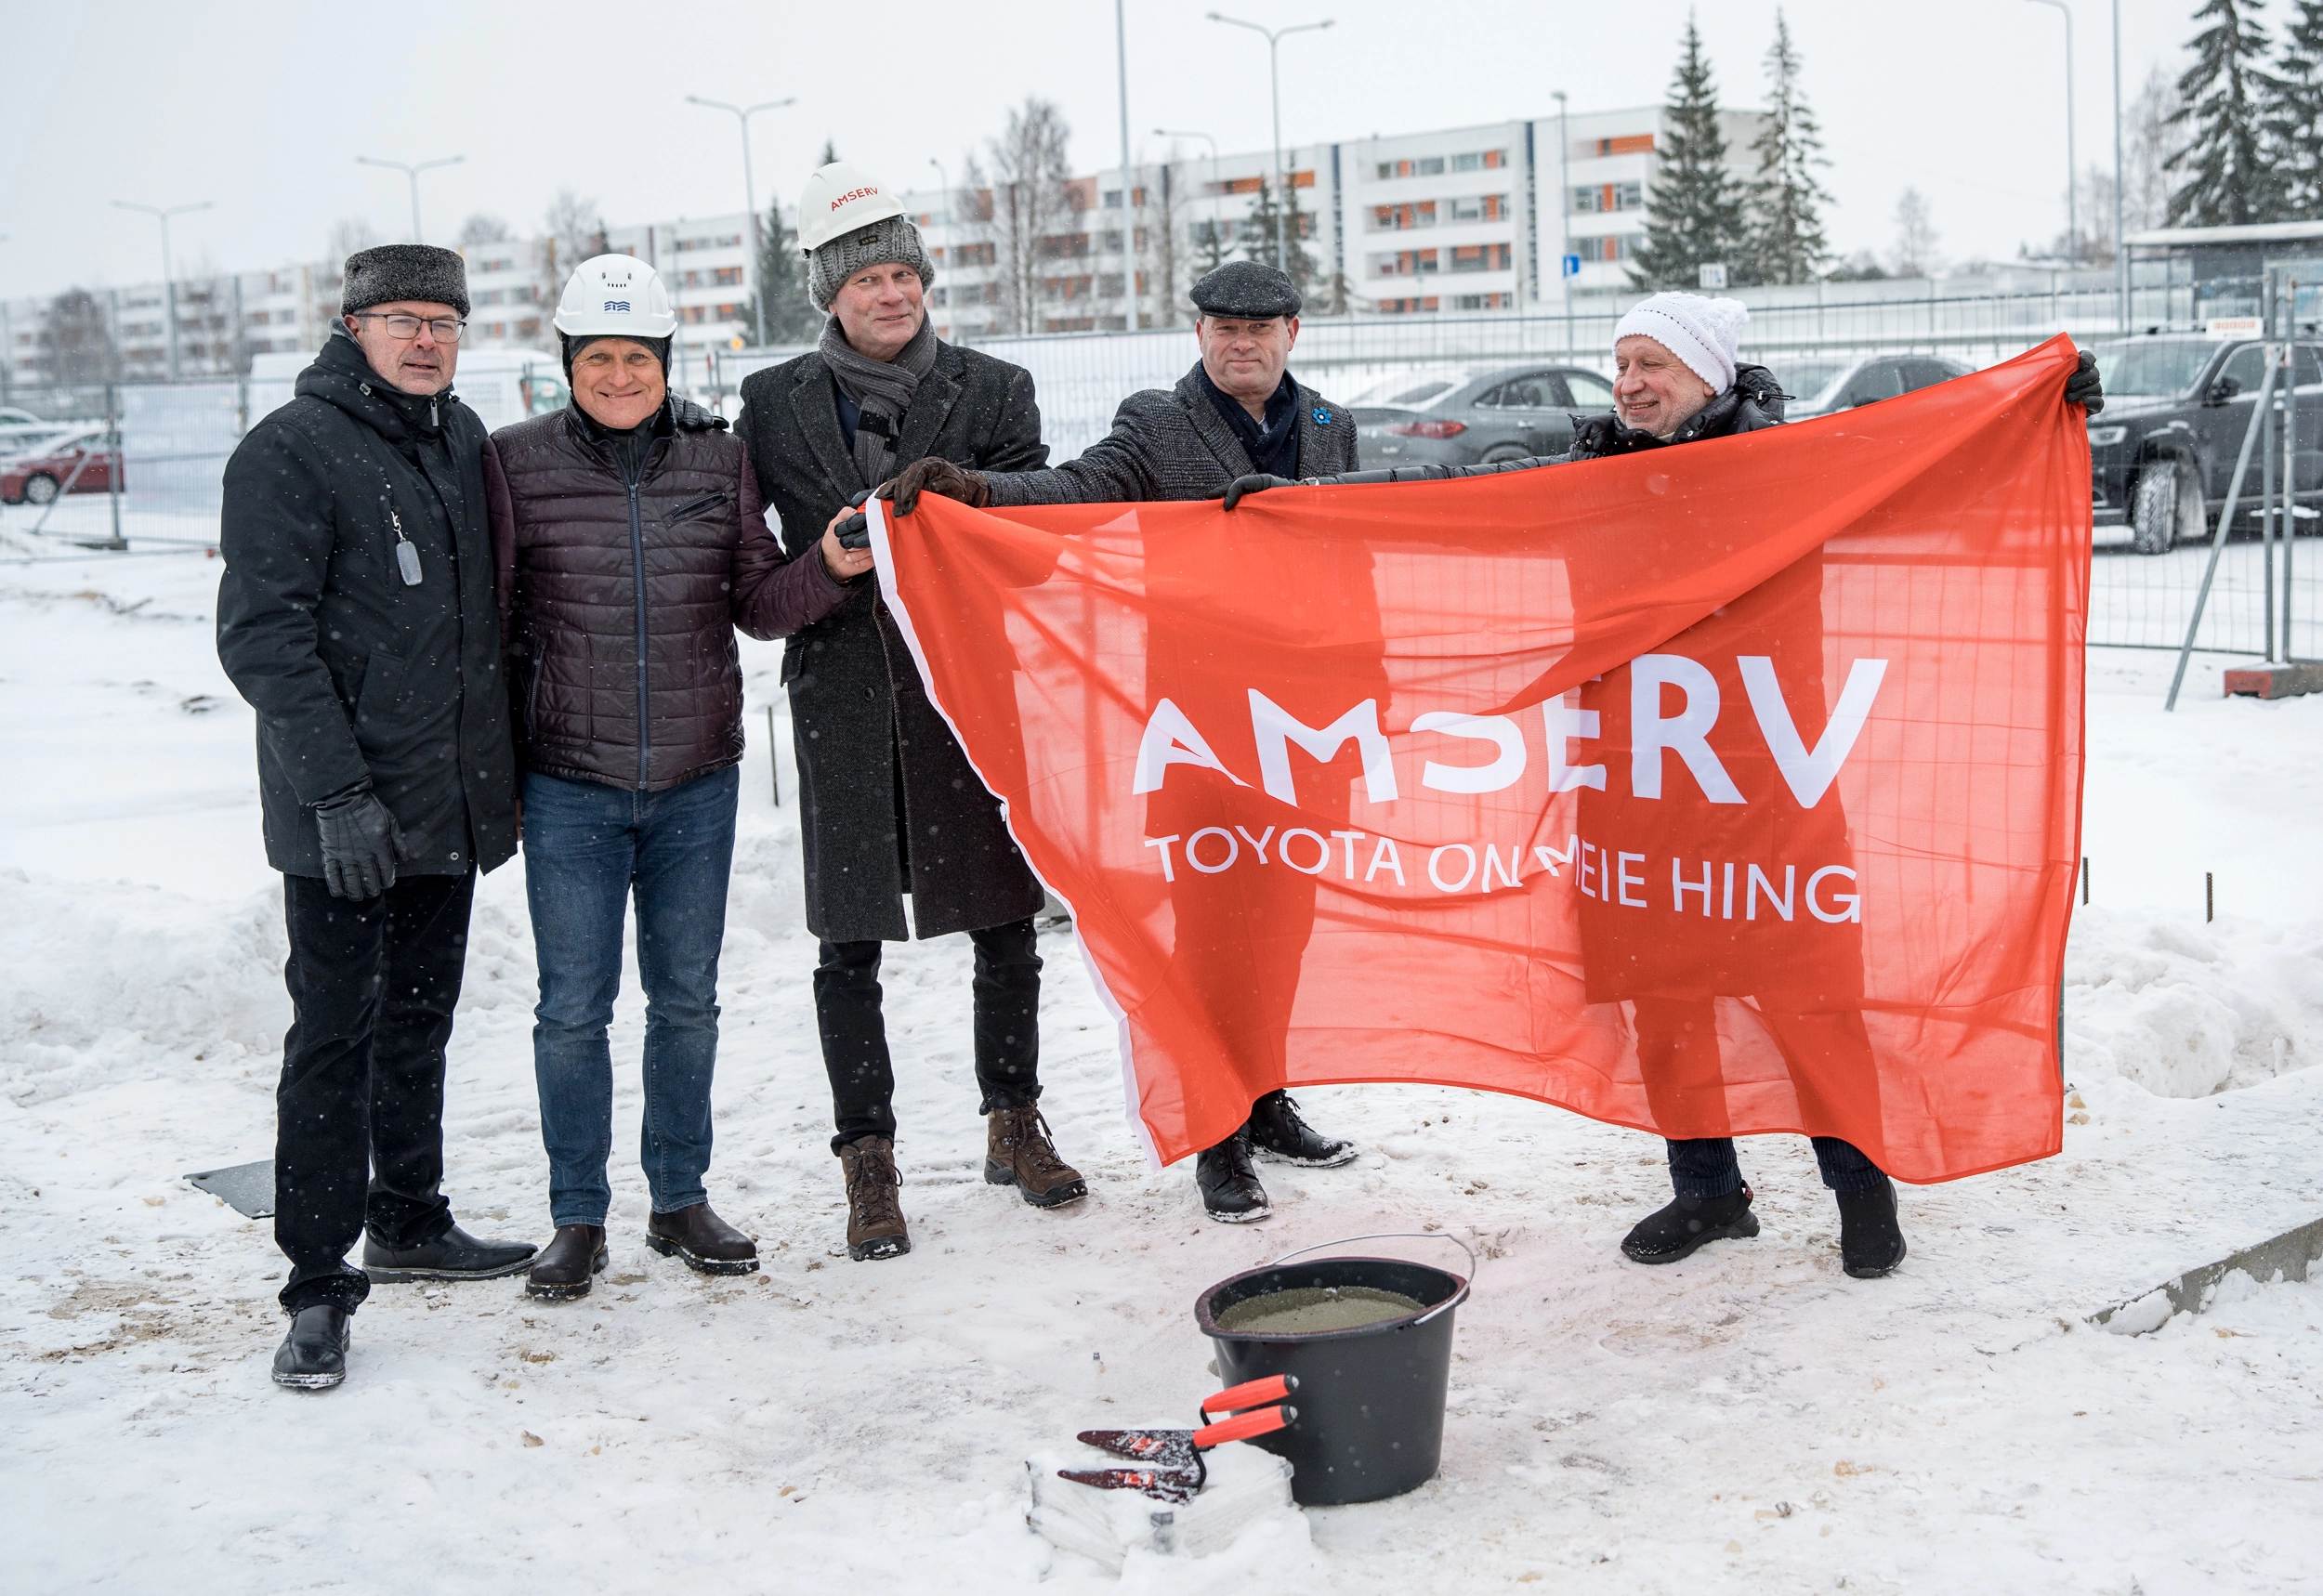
(38, 478)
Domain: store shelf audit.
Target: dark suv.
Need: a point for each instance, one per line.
(2162, 451)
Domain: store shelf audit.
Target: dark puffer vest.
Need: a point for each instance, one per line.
(618, 597)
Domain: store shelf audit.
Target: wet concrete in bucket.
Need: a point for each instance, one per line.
(1311, 1309)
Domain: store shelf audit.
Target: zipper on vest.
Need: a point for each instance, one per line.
(636, 556)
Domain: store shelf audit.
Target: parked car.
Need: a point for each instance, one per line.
(2161, 455)
(1820, 384)
(21, 431)
(1459, 416)
(94, 454)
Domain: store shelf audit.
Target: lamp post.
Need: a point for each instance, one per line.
(1274, 37)
(169, 281)
(1218, 224)
(2120, 236)
(750, 193)
(1564, 216)
(413, 173)
(944, 180)
(1129, 266)
(2072, 169)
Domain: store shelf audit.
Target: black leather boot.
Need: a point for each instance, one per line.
(313, 1356)
(454, 1255)
(1871, 1239)
(1230, 1192)
(1277, 1132)
(562, 1270)
(706, 1243)
(1669, 1234)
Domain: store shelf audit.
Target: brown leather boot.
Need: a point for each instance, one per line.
(1016, 1153)
(875, 1218)
(560, 1271)
(707, 1243)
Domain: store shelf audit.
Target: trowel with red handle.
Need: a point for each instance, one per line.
(1174, 1470)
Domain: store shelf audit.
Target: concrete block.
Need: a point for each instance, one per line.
(2273, 681)
(2282, 1257)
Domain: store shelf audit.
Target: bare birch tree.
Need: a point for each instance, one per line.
(1028, 173)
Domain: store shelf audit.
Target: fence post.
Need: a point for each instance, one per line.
(2218, 539)
(120, 463)
(2289, 298)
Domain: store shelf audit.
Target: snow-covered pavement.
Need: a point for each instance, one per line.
(1748, 1420)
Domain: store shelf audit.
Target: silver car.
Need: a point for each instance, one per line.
(1459, 416)
(1819, 385)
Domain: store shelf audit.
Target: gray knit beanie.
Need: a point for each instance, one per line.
(891, 239)
(393, 271)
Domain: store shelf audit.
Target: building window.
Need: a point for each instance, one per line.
(1599, 197)
(728, 276)
(690, 313)
(973, 254)
(935, 297)
(1611, 246)
(1110, 286)
(730, 312)
(1484, 301)
(1480, 257)
(1431, 165)
(1627, 144)
(1407, 306)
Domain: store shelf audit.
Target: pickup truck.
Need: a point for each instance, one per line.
(2162, 451)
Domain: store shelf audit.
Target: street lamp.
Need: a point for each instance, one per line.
(2072, 169)
(169, 281)
(2120, 241)
(1218, 225)
(1565, 216)
(413, 173)
(750, 192)
(1274, 71)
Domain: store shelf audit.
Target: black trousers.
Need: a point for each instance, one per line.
(359, 1115)
(1007, 1011)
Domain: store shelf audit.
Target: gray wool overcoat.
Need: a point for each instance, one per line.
(887, 801)
(1171, 443)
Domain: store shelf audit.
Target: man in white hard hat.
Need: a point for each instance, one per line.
(355, 616)
(888, 803)
(631, 541)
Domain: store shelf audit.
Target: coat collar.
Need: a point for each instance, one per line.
(1233, 459)
(931, 403)
(815, 403)
(1316, 415)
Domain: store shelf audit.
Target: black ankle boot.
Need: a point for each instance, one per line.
(313, 1356)
(1870, 1241)
(1277, 1132)
(1669, 1234)
(1230, 1191)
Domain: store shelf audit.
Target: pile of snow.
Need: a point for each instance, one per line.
(2185, 1010)
(107, 980)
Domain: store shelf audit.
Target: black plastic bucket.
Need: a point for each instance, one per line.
(1371, 1400)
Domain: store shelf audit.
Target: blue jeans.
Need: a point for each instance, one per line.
(588, 848)
(1707, 1168)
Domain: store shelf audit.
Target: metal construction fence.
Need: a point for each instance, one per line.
(2262, 598)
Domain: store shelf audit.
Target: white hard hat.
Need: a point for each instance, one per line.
(839, 198)
(615, 296)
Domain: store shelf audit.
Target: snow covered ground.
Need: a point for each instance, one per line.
(1748, 1420)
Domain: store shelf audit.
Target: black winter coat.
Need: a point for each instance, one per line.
(353, 673)
(619, 600)
(1171, 443)
(888, 803)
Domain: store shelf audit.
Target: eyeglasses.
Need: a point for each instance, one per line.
(446, 328)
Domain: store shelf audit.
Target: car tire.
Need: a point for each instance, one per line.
(2168, 509)
(40, 489)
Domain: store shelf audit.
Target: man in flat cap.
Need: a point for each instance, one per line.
(1239, 413)
(356, 615)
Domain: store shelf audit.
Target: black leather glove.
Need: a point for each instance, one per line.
(2083, 389)
(940, 478)
(1256, 482)
(361, 842)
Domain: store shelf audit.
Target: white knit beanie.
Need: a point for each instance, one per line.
(1705, 334)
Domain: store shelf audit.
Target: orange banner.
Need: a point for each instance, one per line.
(1717, 789)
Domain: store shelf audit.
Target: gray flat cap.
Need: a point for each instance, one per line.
(396, 271)
(1248, 290)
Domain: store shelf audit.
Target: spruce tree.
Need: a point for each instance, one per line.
(1265, 217)
(2228, 182)
(1694, 209)
(1786, 224)
(2294, 116)
(781, 277)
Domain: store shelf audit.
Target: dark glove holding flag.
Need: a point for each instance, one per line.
(361, 842)
(2083, 389)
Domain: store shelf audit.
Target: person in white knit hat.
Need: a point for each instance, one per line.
(1678, 377)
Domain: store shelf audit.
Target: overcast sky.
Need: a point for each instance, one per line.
(261, 108)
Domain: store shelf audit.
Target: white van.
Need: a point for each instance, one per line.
(502, 386)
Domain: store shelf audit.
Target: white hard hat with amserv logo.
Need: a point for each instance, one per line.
(615, 296)
(838, 200)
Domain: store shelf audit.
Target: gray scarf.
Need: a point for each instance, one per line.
(881, 390)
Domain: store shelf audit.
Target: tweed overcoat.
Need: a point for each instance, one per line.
(1171, 443)
(887, 801)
